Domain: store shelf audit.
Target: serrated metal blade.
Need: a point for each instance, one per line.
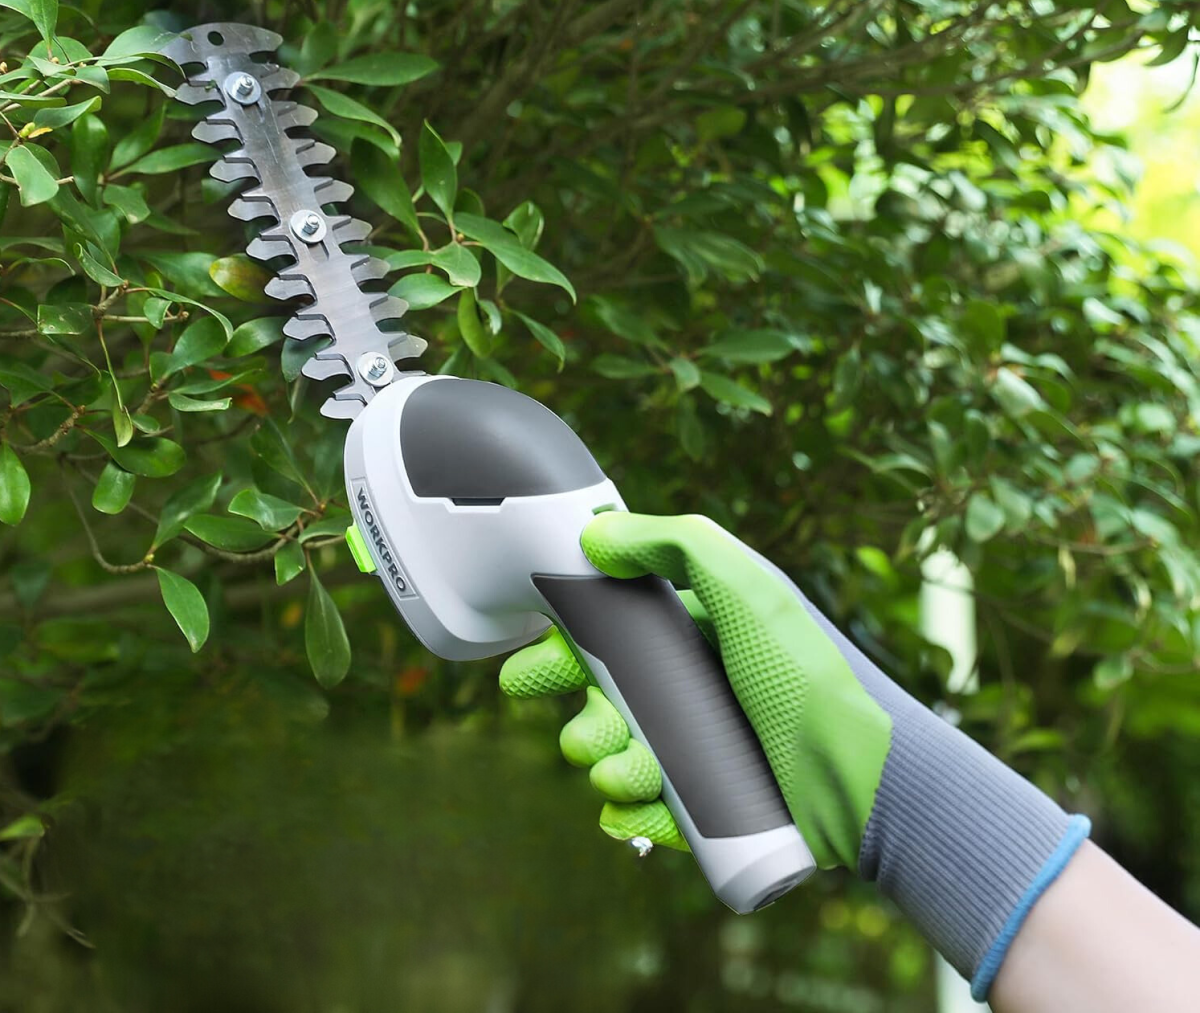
(215, 57)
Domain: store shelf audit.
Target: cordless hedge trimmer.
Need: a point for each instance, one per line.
(469, 498)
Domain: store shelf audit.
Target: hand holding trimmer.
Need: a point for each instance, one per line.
(470, 499)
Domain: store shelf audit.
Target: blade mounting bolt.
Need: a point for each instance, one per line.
(377, 369)
(242, 87)
(307, 226)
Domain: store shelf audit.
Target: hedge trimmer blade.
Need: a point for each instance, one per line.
(305, 236)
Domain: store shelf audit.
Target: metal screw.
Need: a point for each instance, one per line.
(642, 845)
(242, 87)
(307, 226)
(377, 369)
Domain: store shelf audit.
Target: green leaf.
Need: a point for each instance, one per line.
(379, 69)
(89, 153)
(183, 403)
(23, 828)
(172, 159)
(624, 321)
(984, 518)
(254, 335)
(421, 291)
(618, 367)
(289, 563)
(469, 326)
(230, 533)
(1110, 672)
(687, 373)
(503, 245)
(113, 489)
(95, 269)
(44, 14)
(439, 176)
(21, 381)
(342, 105)
(201, 340)
(139, 140)
(186, 604)
(64, 318)
(154, 458)
(14, 486)
(754, 345)
(699, 251)
(155, 311)
(128, 200)
(193, 498)
(53, 119)
(723, 121)
(379, 177)
(545, 337)
(240, 276)
(141, 40)
(325, 637)
(35, 184)
(1015, 394)
(728, 391)
(527, 221)
(458, 263)
(271, 512)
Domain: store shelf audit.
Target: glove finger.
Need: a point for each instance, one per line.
(632, 775)
(595, 732)
(544, 668)
(652, 820)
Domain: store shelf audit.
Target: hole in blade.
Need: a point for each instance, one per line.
(216, 38)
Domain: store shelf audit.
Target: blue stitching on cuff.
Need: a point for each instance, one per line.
(1078, 830)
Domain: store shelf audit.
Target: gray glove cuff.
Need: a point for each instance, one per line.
(962, 843)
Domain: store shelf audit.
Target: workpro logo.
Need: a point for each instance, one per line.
(383, 552)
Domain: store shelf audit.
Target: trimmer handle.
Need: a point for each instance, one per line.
(470, 499)
(640, 646)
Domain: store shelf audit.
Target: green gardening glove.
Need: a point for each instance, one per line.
(873, 779)
(824, 737)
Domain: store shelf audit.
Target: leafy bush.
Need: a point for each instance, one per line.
(837, 288)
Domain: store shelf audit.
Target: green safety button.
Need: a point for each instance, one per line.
(359, 550)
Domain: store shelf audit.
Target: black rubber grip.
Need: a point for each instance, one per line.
(674, 686)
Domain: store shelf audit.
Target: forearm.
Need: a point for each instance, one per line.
(1099, 942)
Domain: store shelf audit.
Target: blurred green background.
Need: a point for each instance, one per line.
(862, 280)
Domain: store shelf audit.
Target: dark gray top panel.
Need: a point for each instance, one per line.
(471, 440)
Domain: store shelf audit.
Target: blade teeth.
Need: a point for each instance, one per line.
(351, 230)
(315, 153)
(248, 210)
(332, 191)
(291, 114)
(345, 409)
(304, 328)
(320, 368)
(371, 269)
(288, 288)
(390, 307)
(269, 249)
(227, 171)
(281, 78)
(214, 133)
(194, 94)
(406, 346)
